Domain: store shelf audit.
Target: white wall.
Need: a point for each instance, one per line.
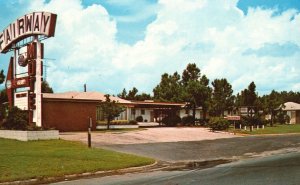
(138, 112)
(184, 113)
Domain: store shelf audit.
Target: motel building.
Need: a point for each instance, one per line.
(70, 111)
(293, 111)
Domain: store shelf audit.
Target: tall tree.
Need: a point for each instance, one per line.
(132, 93)
(110, 109)
(272, 104)
(191, 73)
(46, 87)
(251, 96)
(2, 76)
(195, 89)
(169, 88)
(222, 97)
(143, 97)
(3, 97)
(248, 96)
(290, 96)
(123, 94)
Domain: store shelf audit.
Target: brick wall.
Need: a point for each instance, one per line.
(68, 115)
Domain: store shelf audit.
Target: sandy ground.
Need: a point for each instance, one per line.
(149, 135)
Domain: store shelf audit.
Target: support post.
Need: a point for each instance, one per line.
(37, 113)
(89, 132)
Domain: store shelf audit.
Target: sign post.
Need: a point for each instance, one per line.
(23, 37)
(38, 85)
(251, 113)
(89, 132)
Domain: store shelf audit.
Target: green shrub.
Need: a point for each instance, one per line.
(251, 121)
(139, 119)
(119, 122)
(187, 120)
(218, 123)
(202, 122)
(17, 119)
(114, 122)
(132, 122)
(265, 122)
(282, 118)
(171, 121)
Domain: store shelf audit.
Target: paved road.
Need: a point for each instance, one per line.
(270, 170)
(210, 149)
(275, 170)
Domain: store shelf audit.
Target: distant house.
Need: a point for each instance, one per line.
(70, 111)
(293, 111)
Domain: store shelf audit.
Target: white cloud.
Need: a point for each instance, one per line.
(212, 33)
(136, 11)
(83, 45)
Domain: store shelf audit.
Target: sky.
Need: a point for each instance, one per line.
(114, 44)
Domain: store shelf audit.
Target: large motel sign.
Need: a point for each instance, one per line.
(24, 75)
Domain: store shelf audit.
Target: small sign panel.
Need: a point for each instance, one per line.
(21, 82)
(233, 118)
(244, 109)
(21, 100)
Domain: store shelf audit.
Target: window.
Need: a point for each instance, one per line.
(142, 111)
(99, 114)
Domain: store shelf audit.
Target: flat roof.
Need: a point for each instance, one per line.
(92, 96)
(157, 103)
(97, 96)
(291, 106)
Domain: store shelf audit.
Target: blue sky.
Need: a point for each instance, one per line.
(113, 44)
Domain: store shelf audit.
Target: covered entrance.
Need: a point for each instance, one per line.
(152, 111)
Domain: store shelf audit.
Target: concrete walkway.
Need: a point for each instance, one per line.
(149, 135)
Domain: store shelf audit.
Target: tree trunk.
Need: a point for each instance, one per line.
(108, 124)
(204, 114)
(222, 113)
(272, 119)
(194, 113)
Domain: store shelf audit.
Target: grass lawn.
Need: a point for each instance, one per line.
(37, 159)
(276, 129)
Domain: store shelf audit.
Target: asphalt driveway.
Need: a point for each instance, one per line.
(225, 148)
(188, 144)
